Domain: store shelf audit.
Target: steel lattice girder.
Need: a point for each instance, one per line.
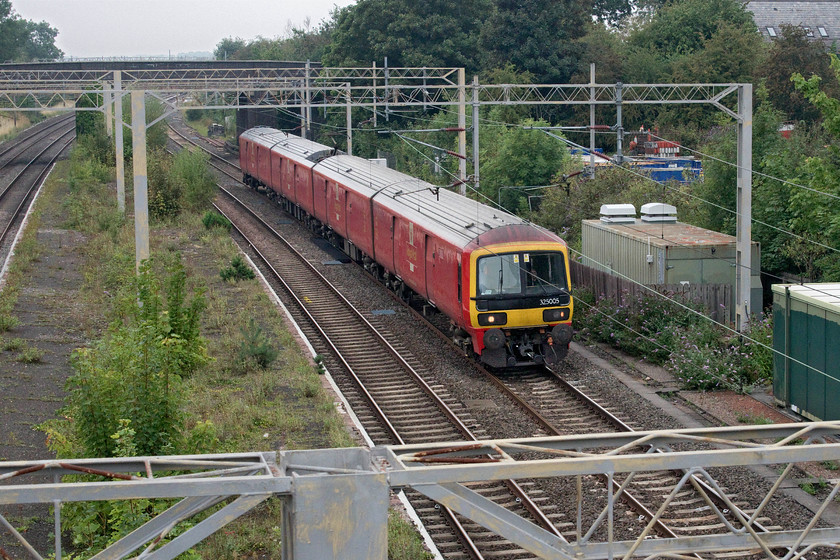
(336, 87)
(337, 499)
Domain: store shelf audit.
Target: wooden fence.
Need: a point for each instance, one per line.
(716, 299)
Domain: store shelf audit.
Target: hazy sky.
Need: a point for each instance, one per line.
(90, 28)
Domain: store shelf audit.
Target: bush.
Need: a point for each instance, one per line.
(238, 270)
(256, 347)
(164, 193)
(192, 175)
(214, 219)
(698, 351)
(8, 321)
(134, 373)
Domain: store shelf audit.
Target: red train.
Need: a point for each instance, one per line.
(502, 282)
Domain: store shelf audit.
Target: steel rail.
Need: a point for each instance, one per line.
(37, 181)
(461, 533)
(635, 503)
(514, 487)
(31, 133)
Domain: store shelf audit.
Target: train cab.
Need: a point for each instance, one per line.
(521, 305)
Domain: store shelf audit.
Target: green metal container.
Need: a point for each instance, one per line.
(806, 340)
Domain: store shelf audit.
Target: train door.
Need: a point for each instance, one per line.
(336, 208)
(432, 284)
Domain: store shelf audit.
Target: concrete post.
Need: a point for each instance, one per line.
(307, 109)
(107, 102)
(141, 180)
(619, 126)
(743, 236)
(118, 141)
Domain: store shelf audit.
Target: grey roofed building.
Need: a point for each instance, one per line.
(819, 18)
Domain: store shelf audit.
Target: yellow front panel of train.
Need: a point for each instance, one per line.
(542, 294)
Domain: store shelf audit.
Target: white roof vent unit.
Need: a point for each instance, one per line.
(659, 212)
(379, 161)
(618, 213)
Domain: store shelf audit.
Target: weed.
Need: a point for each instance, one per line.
(830, 465)
(238, 270)
(8, 322)
(256, 346)
(747, 418)
(403, 541)
(812, 487)
(31, 355)
(12, 344)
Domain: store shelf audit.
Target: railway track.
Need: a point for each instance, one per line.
(24, 162)
(388, 393)
(557, 408)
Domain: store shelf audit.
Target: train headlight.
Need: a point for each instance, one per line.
(492, 319)
(555, 315)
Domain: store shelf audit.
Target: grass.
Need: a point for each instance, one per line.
(282, 405)
(812, 487)
(404, 543)
(12, 344)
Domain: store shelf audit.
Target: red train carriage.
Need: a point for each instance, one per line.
(503, 283)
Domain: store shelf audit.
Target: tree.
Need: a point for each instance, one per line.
(440, 33)
(228, 48)
(680, 28)
(536, 37)
(731, 55)
(792, 52)
(23, 40)
(612, 12)
(818, 216)
(521, 158)
(296, 43)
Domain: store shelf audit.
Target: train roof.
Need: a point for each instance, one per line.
(299, 149)
(456, 218)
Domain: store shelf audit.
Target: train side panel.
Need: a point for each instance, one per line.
(358, 221)
(409, 255)
(336, 202)
(278, 169)
(247, 156)
(384, 224)
(302, 185)
(442, 275)
(263, 168)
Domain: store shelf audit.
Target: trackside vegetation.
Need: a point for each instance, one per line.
(182, 361)
(675, 334)
(239, 385)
